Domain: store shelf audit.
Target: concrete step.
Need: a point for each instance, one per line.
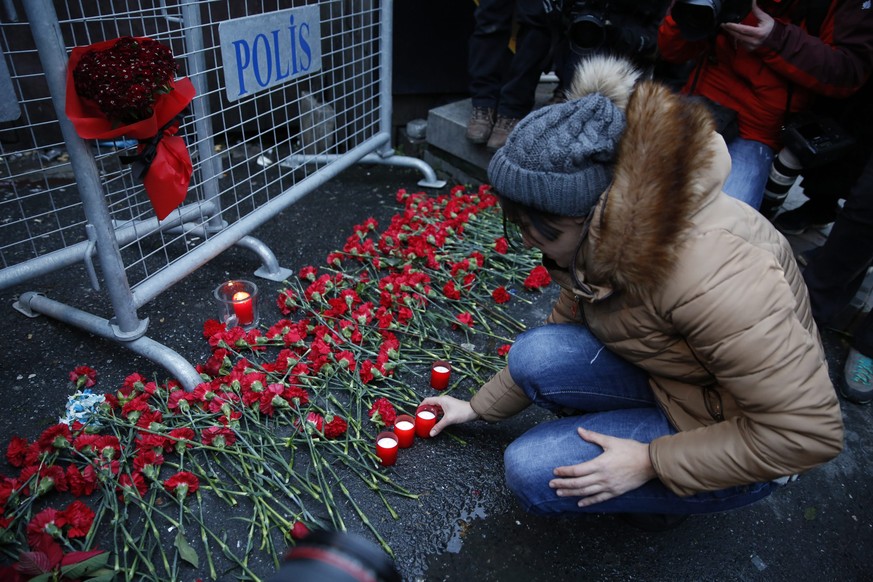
(446, 126)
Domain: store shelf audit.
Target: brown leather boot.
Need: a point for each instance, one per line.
(480, 124)
(501, 131)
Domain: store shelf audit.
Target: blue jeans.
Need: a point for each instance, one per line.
(750, 168)
(565, 369)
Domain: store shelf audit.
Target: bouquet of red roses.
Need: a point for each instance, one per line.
(127, 87)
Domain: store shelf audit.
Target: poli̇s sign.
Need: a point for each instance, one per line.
(259, 52)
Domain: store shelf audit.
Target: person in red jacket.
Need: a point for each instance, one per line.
(773, 63)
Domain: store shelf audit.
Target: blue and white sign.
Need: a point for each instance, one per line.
(259, 52)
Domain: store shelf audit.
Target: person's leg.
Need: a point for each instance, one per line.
(489, 53)
(489, 58)
(750, 168)
(533, 47)
(531, 459)
(837, 269)
(565, 369)
(824, 186)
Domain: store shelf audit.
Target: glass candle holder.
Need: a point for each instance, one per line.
(238, 303)
(404, 428)
(425, 419)
(440, 373)
(386, 448)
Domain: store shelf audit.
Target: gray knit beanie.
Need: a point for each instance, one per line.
(560, 158)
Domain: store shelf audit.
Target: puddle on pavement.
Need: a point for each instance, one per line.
(462, 524)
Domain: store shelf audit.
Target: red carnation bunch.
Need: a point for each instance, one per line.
(126, 78)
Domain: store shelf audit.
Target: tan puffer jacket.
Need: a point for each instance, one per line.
(699, 290)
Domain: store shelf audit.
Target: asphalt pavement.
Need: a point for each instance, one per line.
(465, 525)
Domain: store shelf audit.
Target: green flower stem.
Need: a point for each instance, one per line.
(277, 480)
(366, 520)
(205, 540)
(223, 546)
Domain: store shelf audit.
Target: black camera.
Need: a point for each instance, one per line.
(587, 25)
(700, 19)
(336, 556)
(815, 139)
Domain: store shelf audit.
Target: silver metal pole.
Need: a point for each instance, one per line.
(52, 54)
(178, 366)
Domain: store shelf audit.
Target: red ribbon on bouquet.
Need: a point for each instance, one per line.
(133, 92)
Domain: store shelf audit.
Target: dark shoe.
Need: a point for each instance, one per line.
(857, 384)
(801, 218)
(652, 521)
(501, 131)
(480, 125)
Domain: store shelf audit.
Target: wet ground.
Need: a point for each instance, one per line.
(465, 524)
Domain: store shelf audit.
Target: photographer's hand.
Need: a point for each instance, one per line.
(751, 37)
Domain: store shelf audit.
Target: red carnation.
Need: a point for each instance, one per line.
(217, 436)
(538, 277)
(382, 413)
(182, 484)
(81, 482)
(43, 529)
(503, 350)
(501, 295)
(335, 428)
(16, 452)
(465, 318)
(79, 517)
(212, 327)
(83, 376)
(501, 246)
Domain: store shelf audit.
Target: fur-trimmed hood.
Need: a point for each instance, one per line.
(671, 163)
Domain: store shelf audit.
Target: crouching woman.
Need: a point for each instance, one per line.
(681, 358)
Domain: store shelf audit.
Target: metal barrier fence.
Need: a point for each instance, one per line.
(256, 146)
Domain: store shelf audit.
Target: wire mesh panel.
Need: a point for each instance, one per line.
(287, 94)
(246, 152)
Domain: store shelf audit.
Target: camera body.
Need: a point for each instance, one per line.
(587, 22)
(815, 139)
(700, 19)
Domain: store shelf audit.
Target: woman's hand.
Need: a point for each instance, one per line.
(454, 412)
(751, 37)
(623, 466)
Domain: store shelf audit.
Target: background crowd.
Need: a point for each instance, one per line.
(787, 82)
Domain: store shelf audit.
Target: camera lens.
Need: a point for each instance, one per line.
(783, 173)
(587, 32)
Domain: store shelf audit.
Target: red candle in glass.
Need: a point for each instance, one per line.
(404, 428)
(386, 448)
(439, 375)
(425, 419)
(243, 307)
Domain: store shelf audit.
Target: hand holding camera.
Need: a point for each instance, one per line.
(751, 37)
(701, 19)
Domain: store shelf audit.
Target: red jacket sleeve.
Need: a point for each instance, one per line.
(837, 62)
